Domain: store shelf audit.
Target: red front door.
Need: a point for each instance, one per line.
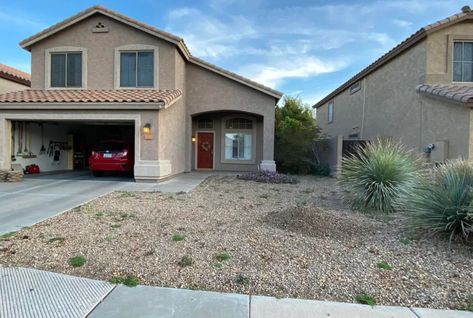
(205, 150)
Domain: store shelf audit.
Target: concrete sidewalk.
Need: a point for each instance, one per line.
(32, 293)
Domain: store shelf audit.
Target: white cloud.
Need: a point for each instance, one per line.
(402, 23)
(301, 67)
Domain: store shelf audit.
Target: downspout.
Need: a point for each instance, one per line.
(363, 109)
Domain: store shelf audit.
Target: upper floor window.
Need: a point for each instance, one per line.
(137, 69)
(66, 69)
(462, 61)
(330, 112)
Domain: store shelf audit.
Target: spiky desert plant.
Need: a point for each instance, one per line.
(378, 175)
(445, 203)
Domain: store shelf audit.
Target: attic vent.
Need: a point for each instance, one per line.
(100, 28)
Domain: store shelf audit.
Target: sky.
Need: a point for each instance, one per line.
(303, 48)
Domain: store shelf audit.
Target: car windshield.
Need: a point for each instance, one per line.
(111, 146)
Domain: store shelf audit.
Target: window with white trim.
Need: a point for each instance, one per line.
(66, 69)
(330, 112)
(462, 61)
(137, 69)
(238, 139)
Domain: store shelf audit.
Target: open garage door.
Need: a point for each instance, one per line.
(68, 145)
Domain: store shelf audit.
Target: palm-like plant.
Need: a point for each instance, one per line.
(445, 203)
(379, 175)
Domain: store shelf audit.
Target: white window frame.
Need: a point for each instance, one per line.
(228, 130)
(453, 60)
(64, 49)
(136, 48)
(330, 110)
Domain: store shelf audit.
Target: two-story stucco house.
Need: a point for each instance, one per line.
(12, 79)
(420, 92)
(100, 74)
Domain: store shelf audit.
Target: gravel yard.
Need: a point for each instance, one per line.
(247, 237)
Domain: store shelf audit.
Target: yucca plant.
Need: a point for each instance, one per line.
(379, 175)
(445, 203)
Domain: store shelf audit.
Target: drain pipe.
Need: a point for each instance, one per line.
(363, 109)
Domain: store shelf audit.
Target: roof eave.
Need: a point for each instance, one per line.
(15, 79)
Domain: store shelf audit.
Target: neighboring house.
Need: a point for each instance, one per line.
(420, 92)
(12, 79)
(100, 74)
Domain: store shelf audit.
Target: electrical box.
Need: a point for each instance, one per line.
(440, 152)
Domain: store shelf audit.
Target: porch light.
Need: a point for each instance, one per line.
(147, 129)
(193, 139)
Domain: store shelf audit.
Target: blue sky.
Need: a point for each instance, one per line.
(302, 48)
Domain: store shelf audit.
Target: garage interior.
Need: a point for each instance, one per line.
(63, 145)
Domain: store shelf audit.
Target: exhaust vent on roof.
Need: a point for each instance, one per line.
(100, 28)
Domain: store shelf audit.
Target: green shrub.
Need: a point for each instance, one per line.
(366, 299)
(130, 281)
(379, 175)
(185, 261)
(77, 261)
(445, 203)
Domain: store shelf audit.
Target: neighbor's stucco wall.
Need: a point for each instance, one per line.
(392, 108)
(101, 52)
(208, 91)
(10, 86)
(439, 50)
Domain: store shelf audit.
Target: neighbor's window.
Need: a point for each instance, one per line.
(463, 61)
(238, 143)
(330, 112)
(66, 69)
(137, 69)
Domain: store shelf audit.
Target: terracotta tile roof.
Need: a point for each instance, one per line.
(15, 75)
(412, 40)
(178, 41)
(452, 93)
(141, 96)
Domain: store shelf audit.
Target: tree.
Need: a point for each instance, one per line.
(295, 132)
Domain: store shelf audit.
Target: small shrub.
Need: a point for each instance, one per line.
(77, 261)
(58, 240)
(185, 261)
(366, 299)
(379, 175)
(115, 226)
(222, 257)
(178, 237)
(268, 177)
(469, 303)
(445, 203)
(99, 214)
(130, 281)
(8, 235)
(384, 265)
(242, 280)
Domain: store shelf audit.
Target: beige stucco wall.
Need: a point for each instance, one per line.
(101, 52)
(208, 91)
(10, 86)
(439, 50)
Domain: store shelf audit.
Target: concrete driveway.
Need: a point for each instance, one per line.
(39, 197)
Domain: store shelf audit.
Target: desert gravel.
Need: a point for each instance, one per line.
(283, 240)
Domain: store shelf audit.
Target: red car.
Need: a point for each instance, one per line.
(112, 155)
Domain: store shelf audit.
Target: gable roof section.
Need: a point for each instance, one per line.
(12, 74)
(179, 42)
(411, 41)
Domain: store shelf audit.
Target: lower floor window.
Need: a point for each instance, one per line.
(238, 146)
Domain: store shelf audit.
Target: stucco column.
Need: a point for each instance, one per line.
(268, 143)
(5, 144)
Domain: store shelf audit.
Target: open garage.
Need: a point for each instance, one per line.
(67, 145)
